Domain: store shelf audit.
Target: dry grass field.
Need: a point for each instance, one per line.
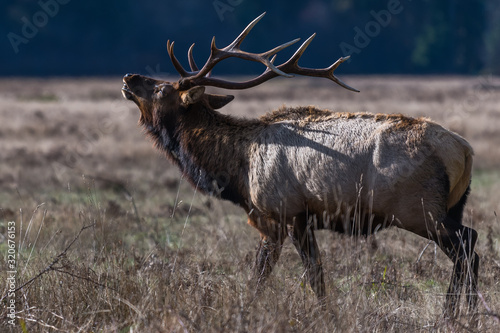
(110, 238)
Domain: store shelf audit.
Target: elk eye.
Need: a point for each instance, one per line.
(159, 90)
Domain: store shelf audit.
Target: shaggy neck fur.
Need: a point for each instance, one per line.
(208, 147)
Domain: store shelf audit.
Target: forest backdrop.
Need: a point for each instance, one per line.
(101, 38)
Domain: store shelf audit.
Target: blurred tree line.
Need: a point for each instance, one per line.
(75, 37)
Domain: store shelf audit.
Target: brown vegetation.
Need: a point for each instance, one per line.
(74, 147)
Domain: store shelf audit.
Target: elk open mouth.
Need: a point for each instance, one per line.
(127, 93)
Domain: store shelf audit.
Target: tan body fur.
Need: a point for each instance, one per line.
(317, 160)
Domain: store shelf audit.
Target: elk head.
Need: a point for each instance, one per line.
(156, 97)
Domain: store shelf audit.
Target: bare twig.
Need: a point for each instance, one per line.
(422, 253)
(56, 260)
(83, 278)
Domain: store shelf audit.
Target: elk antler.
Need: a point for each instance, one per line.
(201, 77)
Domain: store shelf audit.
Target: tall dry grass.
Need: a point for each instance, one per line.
(130, 247)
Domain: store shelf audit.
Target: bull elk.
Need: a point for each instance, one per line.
(296, 170)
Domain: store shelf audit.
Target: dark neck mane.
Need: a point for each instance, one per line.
(209, 148)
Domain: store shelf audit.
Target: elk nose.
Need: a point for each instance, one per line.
(127, 77)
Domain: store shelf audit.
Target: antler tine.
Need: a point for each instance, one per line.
(338, 62)
(235, 45)
(294, 59)
(192, 63)
(175, 62)
(335, 79)
(265, 56)
(291, 66)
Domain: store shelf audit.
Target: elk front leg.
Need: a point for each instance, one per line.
(302, 235)
(272, 237)
(268, 254)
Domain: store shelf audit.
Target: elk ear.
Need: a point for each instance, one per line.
(218, 101)
(192, 95)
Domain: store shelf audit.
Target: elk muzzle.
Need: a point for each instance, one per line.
(138, 87)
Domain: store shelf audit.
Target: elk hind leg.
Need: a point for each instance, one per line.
(458, 242)
(302, 235)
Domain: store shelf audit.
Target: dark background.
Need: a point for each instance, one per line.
(100, 38)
